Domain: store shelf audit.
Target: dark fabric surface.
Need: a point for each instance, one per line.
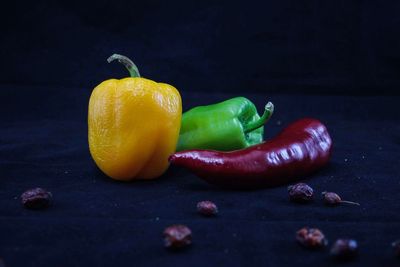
(308, 46)
(96, 221)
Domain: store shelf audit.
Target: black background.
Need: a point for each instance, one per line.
(333, 60)
(261, 46)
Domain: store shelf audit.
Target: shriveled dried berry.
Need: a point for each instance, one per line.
(396, 248)
(344, 249)
(36, 198)
(311, 238)
(177, 236)
(301, 193)
(207, 208)
(333, 199)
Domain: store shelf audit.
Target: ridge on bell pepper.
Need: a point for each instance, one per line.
(228, 125)
(133, 125)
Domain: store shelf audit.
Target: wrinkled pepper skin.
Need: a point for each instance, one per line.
(133, 127)
(229, 125)
(299, 150)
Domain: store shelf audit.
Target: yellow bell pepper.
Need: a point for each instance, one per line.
(133, 124)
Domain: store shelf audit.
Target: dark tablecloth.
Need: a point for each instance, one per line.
(96, 221)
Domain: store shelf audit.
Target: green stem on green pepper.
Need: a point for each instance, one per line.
(129, 65)
(269, 109)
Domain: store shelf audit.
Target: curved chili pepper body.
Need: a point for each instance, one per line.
(299, 150)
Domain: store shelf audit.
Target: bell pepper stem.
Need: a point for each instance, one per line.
(129, 65)
(269, 109)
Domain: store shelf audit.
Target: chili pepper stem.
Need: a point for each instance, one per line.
(129, 65)
(269, 109)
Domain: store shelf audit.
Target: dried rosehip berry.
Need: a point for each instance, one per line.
(177, 236)
(301, 193)
(36, 198)
(396, 248)
(207, 208)
(333, 199)
(344, 249)
(311, 238)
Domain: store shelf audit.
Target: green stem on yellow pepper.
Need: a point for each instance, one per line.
(269, 109)
(129, 65)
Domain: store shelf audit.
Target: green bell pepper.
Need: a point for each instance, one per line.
(229, 125)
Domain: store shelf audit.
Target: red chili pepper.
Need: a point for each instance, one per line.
(299, 150)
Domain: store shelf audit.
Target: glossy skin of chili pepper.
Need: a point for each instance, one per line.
(299, 150)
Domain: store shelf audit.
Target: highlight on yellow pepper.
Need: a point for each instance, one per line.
(133, 125)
